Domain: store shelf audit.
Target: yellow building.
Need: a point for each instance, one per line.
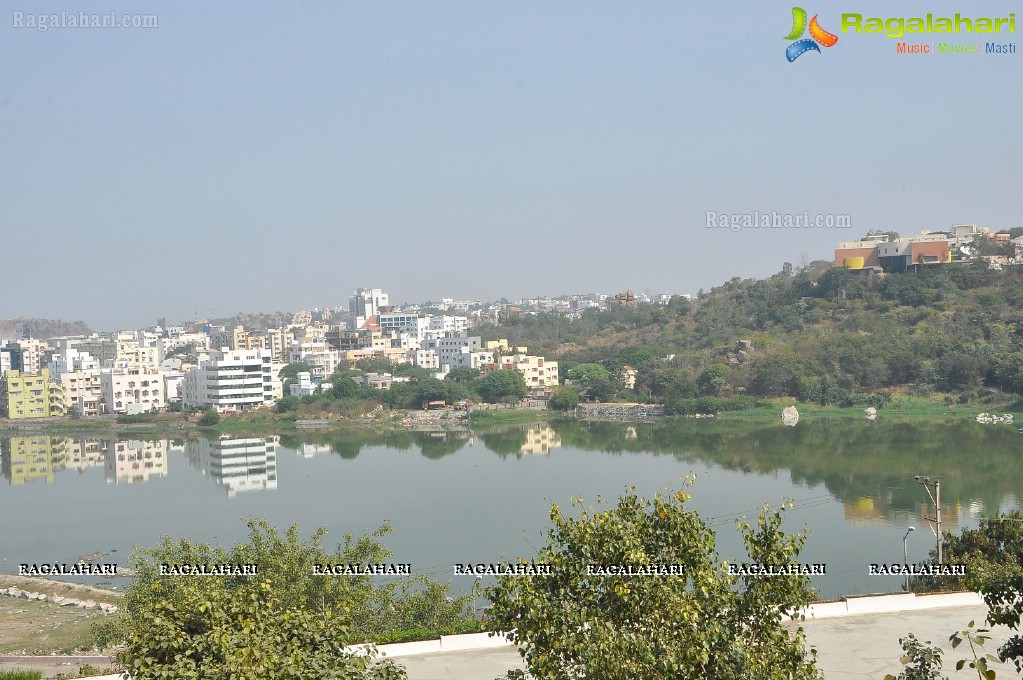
(30, 396)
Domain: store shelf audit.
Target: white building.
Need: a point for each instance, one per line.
(449, 350)
(365, 303)
(231, 380)
(443, 326)
(321, 358)
(131, 389)
(304, 385)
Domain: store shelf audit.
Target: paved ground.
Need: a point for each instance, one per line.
(854, 647)
(863, 647)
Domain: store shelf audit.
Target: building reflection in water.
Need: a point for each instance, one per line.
(239, 464)
(133, 460)
(32, 459)
(540, 439)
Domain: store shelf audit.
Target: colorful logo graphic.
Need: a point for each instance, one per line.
(817, 35)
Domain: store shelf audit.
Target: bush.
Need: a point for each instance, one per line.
(209, 418)
(21, 675)
(564, 399)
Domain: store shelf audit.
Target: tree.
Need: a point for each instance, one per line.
(375, 365)
(584, 375)
(576, 622)
(343, 388)
(713, 380)
(286, 623)
(462, 374)
(286, 404)
(505, 382)
(563, 399)
(292, 370)
(209, 418)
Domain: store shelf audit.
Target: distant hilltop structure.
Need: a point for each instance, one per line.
(626, 299)
(888, 252)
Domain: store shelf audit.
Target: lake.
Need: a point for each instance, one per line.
(457, 497)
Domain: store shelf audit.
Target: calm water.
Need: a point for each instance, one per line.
(460, 497)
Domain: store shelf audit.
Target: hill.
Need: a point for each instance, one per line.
(820, 334)
(44, 328)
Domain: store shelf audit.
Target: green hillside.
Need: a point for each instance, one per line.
(821, 334)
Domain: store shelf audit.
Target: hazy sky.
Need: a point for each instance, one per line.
(257, 157)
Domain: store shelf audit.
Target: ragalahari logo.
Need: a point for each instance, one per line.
(818, 35)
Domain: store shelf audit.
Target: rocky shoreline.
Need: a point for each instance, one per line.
(46, 590)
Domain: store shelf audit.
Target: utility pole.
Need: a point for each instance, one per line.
(936, 499)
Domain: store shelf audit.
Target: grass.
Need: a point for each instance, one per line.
(21, 675)
(903, 408)
(506, 417)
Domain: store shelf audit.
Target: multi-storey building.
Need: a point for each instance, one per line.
(450, 350)
(231, 380)
(131, 389)
(33, 355)
(540, 374)
(30, 396)
(321, 358)
(365, 303)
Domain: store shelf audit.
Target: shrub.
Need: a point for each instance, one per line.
(209, 418)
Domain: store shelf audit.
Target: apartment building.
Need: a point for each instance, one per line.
(231, 380)
(131, 389)
(540, 374)
(26, 395)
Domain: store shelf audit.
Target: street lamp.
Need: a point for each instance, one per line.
(905, 556)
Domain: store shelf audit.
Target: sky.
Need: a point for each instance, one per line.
(260, 157)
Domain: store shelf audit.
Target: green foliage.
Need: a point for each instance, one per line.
(563, 399)
(921, 661)
(1004, 598)
(714, 405)
(704, 624)
(992, 551)
(375, 365)
(714, 379)
(463, 374)
(285, 561)
(149, 417)
(209, 418)
(505, 382)
(585, 375)
(343, 387)
(241, 632)
(21, 675)
(287, 404)
(293, 369)
(975, 638)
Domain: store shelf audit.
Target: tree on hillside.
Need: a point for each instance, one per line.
(713, 380)
(583, 621)
(375, 365)
(293, 369)
(462, 374)
(584, 375)
(505, 382)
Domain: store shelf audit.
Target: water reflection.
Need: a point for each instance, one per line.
(236, 464)
(867, 466)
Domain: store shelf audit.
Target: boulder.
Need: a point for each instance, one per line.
(789, 413)
(870, 411)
